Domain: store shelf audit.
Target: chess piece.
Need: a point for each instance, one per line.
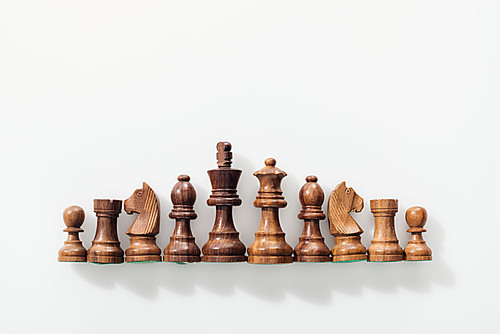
(106, 246)
(311, 246)
(182, 247)
(224, 244)
(348, 246)
(385, 246)
(270, 246)
(417, 249)
(145, 227)
(73, 250)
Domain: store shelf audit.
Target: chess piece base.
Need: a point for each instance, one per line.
(270, 259)
(72, 258)
(385, 258)
(349, 258)
(418, 258)
(181, 258)
(312, 258)
(104, 259)
(143, 258)
(224, 258)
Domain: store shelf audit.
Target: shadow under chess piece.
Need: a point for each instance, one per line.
(73, 250)
(417, 249)
(224, 244)
(311, 246)
(385, 246)
(106, 246)
(270, 246)
(182, 246)
(145, 227)
(347, 232)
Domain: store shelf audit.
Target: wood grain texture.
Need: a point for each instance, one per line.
(417, 249)
(145, 227)
(106, 246)
(73, 250)
(270, 246)
(182, 246)
(347, 232)
(311, 246)
(224, 244)
(385, 246)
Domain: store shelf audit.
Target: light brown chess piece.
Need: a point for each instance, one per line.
(348, 246)
(73, 250)
(145, 227)
(223, 243)
(311, 246)
(106, 246)
(417, 249)
(182, 246)
(385, 246)
(270, 246)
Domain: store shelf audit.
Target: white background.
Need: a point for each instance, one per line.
(398, 98)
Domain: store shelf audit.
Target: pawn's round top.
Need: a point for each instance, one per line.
(416, 216)
(183, 192)
(270, 162)
(73, 216)
(311, 193)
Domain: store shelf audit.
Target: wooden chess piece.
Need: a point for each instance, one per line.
(348, 246)
(385, 246)
(224, 244)
(106, 246)
(311, 246)
(417, 249)
(145, 227)
(182, 246)
(73, 250)
(270, 246)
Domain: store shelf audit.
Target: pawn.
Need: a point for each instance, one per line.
(73, 250)
(311, 246)
(417, 249)
(182, 246)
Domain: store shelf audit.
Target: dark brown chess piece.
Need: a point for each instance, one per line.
(106, 246)
(270, 246)
(73, 250)
(311, 246)
(417, 249)
(348, 246)
(145, 227)
(223, 244)
(385, 246)
(182, 246)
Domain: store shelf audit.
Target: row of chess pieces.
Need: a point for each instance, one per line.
(224, 244)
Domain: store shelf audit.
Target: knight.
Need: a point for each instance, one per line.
(145, 227)
(347, 232)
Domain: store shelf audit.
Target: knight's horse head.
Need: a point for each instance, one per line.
(135, 203)
(145, 203)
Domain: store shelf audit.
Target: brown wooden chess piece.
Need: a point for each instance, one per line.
(106, 246)
(417, 249)
(73, 250)
(270, 246)
(311, 246)
(348, 246)
(182, 246)
(224, 244)
(385, 246)
(145, 227)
